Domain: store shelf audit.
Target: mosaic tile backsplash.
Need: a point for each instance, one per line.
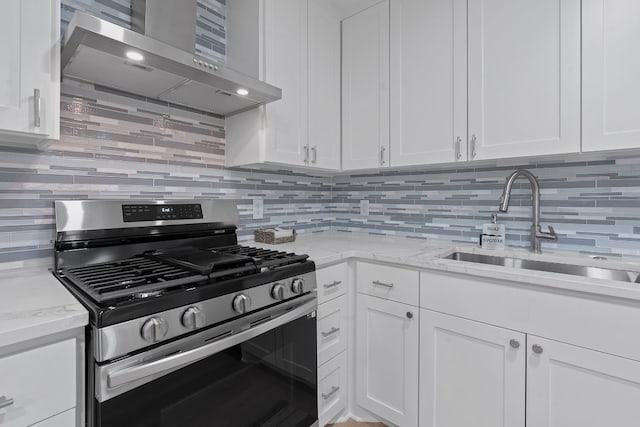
(210, 25)
(115, 145)
(118, 147)
(594, 205)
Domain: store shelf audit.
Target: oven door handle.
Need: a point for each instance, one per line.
(134, 373)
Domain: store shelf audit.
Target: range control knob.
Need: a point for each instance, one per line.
(193, 318)
(277, 292)
(297, 286)
(241, 304)
(154, 329)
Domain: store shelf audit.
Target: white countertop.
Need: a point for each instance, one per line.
(34, 304)
(332, 247)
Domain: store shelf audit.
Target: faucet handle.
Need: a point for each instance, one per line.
(551, 235)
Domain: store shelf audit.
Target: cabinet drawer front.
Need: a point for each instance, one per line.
(390, 283)
(41, 382)
(332, 388)
(332, 282)
(332, 328)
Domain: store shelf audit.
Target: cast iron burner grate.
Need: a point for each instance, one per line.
(151, 274)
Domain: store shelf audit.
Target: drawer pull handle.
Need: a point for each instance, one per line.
(379, 283)
(5, 402)
(334, 390)
(36, 108)
(330, 332)
(332, 285)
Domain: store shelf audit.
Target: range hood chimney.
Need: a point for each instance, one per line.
(156, 59)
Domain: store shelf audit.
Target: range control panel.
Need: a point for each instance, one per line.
(135, 213)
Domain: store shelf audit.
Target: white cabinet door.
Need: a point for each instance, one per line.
(524, 78)
(610, 70)
(365, 88)
(41, 382)
(428, 81)
(30, 69)
(324, 84)
(285, 58)
(471, 373)
(387, 359)
(571, 386)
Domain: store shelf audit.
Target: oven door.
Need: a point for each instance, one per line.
(258, 370)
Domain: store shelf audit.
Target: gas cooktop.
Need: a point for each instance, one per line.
(154, 273)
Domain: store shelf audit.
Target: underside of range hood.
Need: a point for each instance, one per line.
(96, 50)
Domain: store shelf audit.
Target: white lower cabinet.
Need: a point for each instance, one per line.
(474, 374)
(41, 383)
(332, 388)
(387, 359)
(470, 365)
(571, 386)
(332, 341)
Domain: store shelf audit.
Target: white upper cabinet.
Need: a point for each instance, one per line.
(298, 43)
(285, 58)
(428, 81)
(571, 386)
(610, 73)
(524, 78)
(365, 88)
(324, 84)
(30, 72)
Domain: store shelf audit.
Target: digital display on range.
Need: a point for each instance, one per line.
(135, 213)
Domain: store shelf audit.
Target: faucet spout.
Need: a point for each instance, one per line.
(536, 232)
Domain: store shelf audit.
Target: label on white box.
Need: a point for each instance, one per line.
(493, 236)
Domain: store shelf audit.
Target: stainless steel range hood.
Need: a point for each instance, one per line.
(157, 60)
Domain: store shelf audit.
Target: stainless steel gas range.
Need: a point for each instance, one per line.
(188, 328)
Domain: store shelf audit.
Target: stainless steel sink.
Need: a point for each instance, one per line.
(573, 269)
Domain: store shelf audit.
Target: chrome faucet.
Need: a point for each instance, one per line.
(536, 232)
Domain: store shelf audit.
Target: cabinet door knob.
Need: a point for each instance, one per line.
(409, 315)
(537, 349)
(514, 343)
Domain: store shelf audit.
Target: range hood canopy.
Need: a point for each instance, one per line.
(157, 60)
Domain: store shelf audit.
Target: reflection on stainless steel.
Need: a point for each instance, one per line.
(73, 215)
(167, 68)
(552, 267)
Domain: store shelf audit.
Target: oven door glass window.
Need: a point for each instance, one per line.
(269, 380)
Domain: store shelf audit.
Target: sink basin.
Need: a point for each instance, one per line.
(572, 269)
